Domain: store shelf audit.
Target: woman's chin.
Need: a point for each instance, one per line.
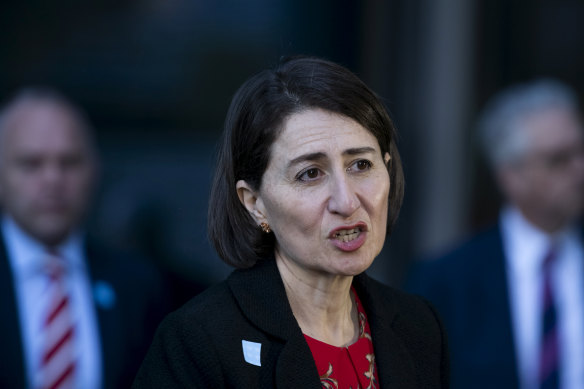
(354, 266)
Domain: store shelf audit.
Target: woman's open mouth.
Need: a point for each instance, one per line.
(349, 238)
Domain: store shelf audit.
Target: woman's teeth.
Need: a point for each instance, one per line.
(347, 235)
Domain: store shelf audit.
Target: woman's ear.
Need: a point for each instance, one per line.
(386, 158)
(250, 200)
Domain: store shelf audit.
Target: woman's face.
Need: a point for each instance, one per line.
(325, 194)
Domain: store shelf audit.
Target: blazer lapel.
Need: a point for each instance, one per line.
(261, 296)
(396, 366)
(295, 367)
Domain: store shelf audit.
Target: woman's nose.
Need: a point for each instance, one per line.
(343, 199)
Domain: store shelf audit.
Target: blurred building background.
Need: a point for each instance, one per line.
(156, 78)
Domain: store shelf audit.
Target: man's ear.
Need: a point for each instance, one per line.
(250, 200)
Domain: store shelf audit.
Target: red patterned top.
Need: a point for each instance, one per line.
(351, 367)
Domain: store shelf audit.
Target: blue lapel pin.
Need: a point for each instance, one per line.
(104, 295)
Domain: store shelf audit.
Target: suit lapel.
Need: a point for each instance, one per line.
(470, 289)
(12, 371)
(108, 318)
(496, 292)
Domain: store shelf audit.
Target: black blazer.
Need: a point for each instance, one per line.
(126, 328)
(200, 345)
(468, 287)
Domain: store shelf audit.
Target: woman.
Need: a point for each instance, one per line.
(308, 183)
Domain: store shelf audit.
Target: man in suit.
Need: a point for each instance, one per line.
(512, 297)
(74, 314)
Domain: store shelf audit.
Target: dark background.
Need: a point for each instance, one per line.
(156, 76)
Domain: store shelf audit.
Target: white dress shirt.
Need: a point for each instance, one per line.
(26, 257)
(525, 248)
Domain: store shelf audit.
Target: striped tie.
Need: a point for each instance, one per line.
(57, 365)
(549, 350)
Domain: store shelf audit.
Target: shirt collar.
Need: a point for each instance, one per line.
(26, 253)
(525, 244)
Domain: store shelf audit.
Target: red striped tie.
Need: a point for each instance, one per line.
(57, 365)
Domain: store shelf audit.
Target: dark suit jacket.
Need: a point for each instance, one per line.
(200, 345)
(468, 287)
(125, 328)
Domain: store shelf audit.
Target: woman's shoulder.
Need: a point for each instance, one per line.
(184, 351)
(205, 320)
(205, 305)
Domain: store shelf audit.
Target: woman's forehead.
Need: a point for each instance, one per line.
(317, 130)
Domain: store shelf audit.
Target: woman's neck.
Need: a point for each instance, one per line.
(322, 304)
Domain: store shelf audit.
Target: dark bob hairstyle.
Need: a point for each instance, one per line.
(254, 120)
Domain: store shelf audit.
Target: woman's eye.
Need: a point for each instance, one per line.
(309, 175)
(361, 165)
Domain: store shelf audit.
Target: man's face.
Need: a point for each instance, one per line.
(46, 170)
(548, 183)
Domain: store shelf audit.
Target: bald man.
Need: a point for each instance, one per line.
(74, 315)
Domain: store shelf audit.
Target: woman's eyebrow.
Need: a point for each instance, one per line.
(307, 157)
(359, 150)
(320, 155)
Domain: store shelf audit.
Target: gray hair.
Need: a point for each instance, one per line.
(499, 127)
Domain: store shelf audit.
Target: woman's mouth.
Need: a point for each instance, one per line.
(349, 238)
